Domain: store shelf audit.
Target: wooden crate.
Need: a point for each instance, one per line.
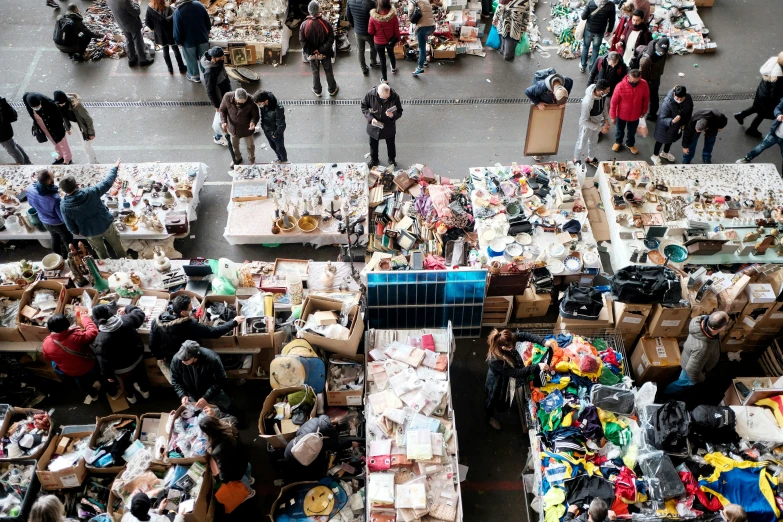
(497, 310)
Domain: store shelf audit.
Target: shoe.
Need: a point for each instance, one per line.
(77, 58)
(593, 162)
(581, 68)
(366, 71)
(58, 161)
(739, 118)
(145, 63)
(375, 65)
(494, 423)
(372, 163)
(394, 71)
(90, 399)
(743, 160)
(252, 481)
(52, 4)
(144, 394)
(426, 64)
(221, 141)
(335, 91)
(392, 165)
(633, 149)
(651, 117)
(656, 160)
(753, 133)
(194, 79)
(316, 93)
(133, 63)
(183, 70)
(668, 156)
(418, 71)
(131, 400)
(117, 395)
(616, 147)
(171, 70)
(383, 80)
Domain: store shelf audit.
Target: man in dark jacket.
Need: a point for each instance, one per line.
(215, 79)
(191, 31)
(238, 118)
(127, 14)
(382, 108)
(8, 115)
(198, 377)
(85, 214)
(317, 38)
(272, 123)
(610, 68)
(651, 65)
(600, 16)
(773, 137)
(177, 325)
(597, 512)
(709, 122)
(44, 197)
(358, 12)
(768, 95)
(80, 35)
(552, 90)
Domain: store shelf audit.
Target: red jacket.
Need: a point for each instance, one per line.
(630, 103)
(384, 27)
(76, 340)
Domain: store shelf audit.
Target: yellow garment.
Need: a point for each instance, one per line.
(554, 505)
(775, 405)
(568, 420)
(552, 386)
(669, 509)
(723, 464)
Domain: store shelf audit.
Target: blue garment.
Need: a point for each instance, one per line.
(83, 211)
(596, 40)
(706, 154)
(422, 33)
(539, 92)
(770, 140)
(191, 24)
(680, 385)
(621, 126)
(47, 206)
(745, 483)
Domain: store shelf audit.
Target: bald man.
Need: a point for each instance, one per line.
(700, 352)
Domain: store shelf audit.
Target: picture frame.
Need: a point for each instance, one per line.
(239, 57)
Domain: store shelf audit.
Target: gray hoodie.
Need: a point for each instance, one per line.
(215, 80)
(700, 353)
(593, 123)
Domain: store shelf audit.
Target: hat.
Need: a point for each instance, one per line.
(140, 506)
(216, 52)
(314, 8)
(662, 45)
(561, 93)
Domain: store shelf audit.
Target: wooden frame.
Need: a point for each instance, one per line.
(541, 139)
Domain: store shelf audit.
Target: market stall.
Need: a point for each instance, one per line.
(691, 214)
(457, 30)
(149, 200)
(295, 203)
(100, 20)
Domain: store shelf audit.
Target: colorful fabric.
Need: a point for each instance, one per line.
(608, 376)
(625, 485)
(591, 424)
(550, 421)
(745, 483)
(692, 487)
(776, 403)
(554, 505)
(600, 344)
(617, 434)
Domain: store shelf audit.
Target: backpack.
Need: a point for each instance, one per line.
(715, 424)
(308, 447)
(65, 32)
(296, 370)
(646, 285)
(636, 60)
(671, 423)
(581, 302)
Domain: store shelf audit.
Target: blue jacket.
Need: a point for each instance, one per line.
(541, 91)
(83, 211)
(47, 206)
(778, 112)
(191, 24)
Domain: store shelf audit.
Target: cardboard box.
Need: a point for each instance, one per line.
(154, 374)
(631, 318)
(446, 51)
(345, 397)
(11, 335)
(667, 322)
(325, 317)
(760, 293)
(497, 310)
(531, 304)
(36, 333)
(350, 346)
(705, 3)
(17, 414)
(605, 319)
(111, 470)
(772, 321)
(255, 340)
(735, 292)
(70, 477)
(68, 294)
(656, 359)
(149, 438)
(226, 341)
(278, 441)
(183, 461)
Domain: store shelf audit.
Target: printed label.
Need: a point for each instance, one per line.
(670, 323)
(750, 322)
(640, 369)
(776, 316)
(632, 320)
(355, 400)
(70, 481)
(586, 280)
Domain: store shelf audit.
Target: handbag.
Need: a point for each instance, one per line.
(581, 302)
(39, 135)
(390, 42)
(416, 14)
(307, 448)
(232, 494)
(646, 285)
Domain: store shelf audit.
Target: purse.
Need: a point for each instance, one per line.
(416, 15)
(39, 135)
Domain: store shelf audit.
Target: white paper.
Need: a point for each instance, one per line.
(419, 445)
(411, 496)
(404, 382)
(381, 488)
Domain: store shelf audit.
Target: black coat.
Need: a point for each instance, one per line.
(665, 130)
(122, 348)
(162, 25)
(358, 12)
(81, 28)
(168, 332)
(8, 115)
(49, 113)
(768, 95)
(651, 65)
(717, 120)
(603, 71)
(231, 460)
(599, 21)
(499, 373)
(316, 34)
(204, 379)
(273, 117)
(375, 107)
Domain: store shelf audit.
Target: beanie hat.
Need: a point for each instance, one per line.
(314, 8)
(216, 52)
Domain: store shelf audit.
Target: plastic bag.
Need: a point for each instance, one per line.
(227, 269)
(493, 40)
(87, 302)
(641, 130)
(646, 395)
(8, 312)
(252, 307)
(216, 128)
(221, 286)
(523, 47)
(663, 477)
(613, 398)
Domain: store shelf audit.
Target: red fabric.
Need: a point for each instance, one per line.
(625, 485)
(624, 21)
(77, 340)
(383, 31)
(619, 507)
(630, 103)
(692, 487)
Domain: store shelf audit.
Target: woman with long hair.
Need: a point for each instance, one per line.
(384, 26)
(505, 364)
(47, 508)
(228, 458)
(160, 18)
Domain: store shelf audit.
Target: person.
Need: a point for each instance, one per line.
(674, 115)
(127, 15)
(238, 118)
(8, 115)
(191, 31)
(177, 325)
(635, 35)
(594, 119)
(68, 350)
(44, 197)
(623, 24)
(610, 68)
(773, 137)
(48, 119)
(73, 110)
(227, 455)
(198, 377)
(645, 7)
(511, 19)
(768, 95)
(358, 13)
(734, 513)
(47, 508)
(505, 363)
(700, 352)
(424, 29)
(85, 214)
(160, 19)
(553, 90)
(317, 39)
(272, 123)
(77, 37)
(629, 103)
(651, 65)
(120, 351)
(709, 122)
(600, 15)
(382, 108)
(141, 510)
(384, 26)
(597, 512)
(215, 80)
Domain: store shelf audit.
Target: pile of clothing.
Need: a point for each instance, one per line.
(89, 501)
(113, 440)
(186, 438)
(180, 487)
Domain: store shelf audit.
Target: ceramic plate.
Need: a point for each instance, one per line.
(488, 235)
(573, 264)
(498, 245)
(555, 266)
(508, 240)
(676, 253)
(513, 250)
(524, 238)
(555, 249)
(590, 259)
(652, 244)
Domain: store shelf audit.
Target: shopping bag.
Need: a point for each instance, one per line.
(493, 40)
(523, 47)
(579, 32)
(641, 130)
(232, 494)
(216, 125)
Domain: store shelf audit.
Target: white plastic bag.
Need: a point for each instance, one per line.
(641, 130)
(227, 269)
(218, 130)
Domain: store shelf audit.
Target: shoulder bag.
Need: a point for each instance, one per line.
(71, 352)
(416, 15)
(40, 136)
